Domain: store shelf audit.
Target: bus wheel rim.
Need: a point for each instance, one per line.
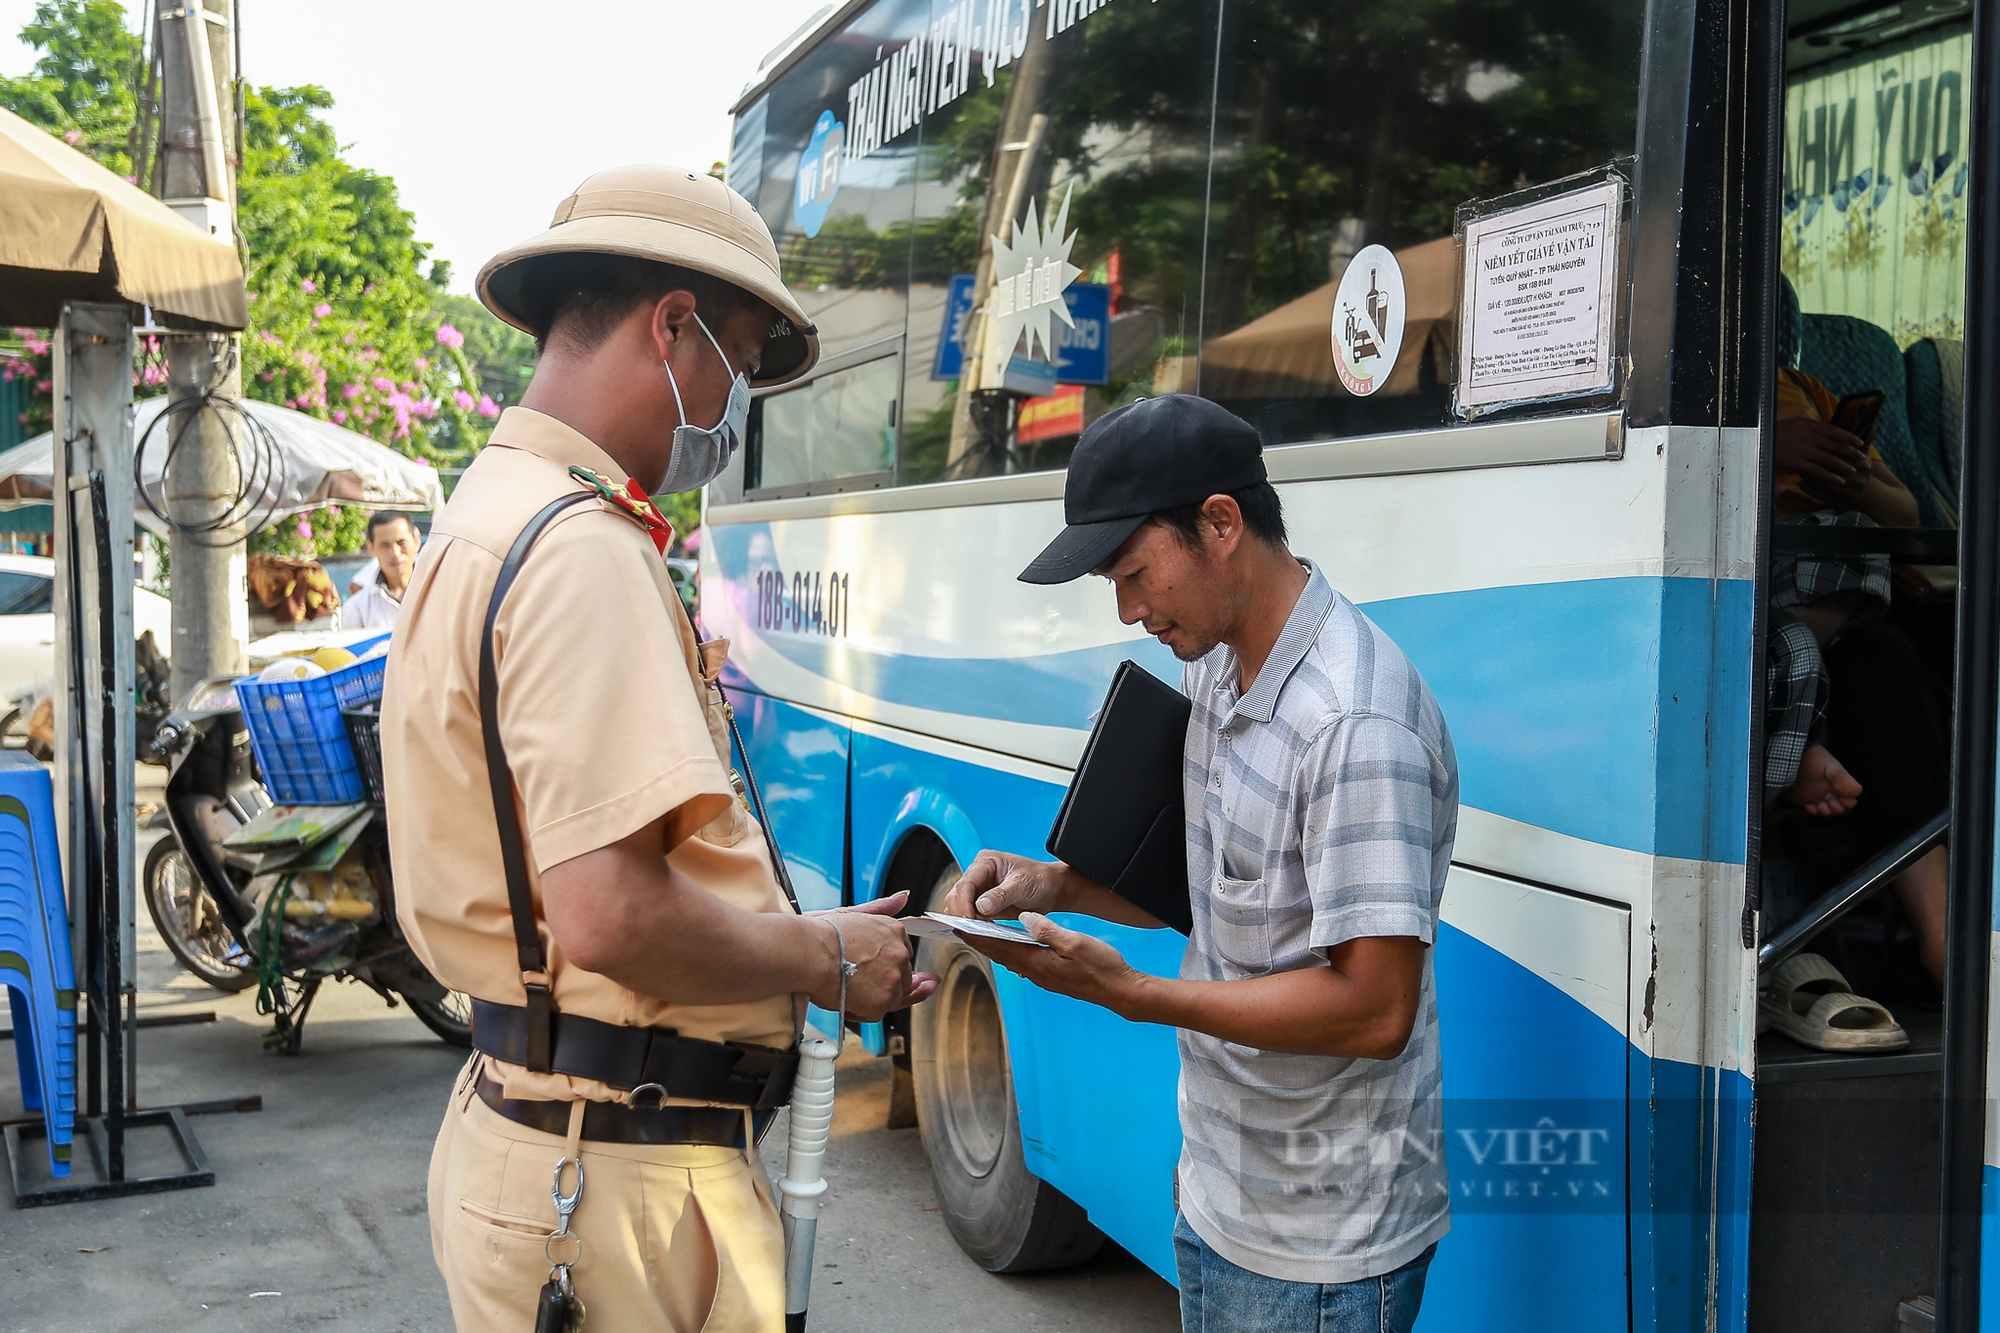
(978, 1101)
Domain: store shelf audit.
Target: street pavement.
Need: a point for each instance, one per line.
(317, 1215)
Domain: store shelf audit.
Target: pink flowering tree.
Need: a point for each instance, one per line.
(350, 318)
(25, 357)
(367, 357)
(347, 313)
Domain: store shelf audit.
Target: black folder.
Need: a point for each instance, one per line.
(1122, 822)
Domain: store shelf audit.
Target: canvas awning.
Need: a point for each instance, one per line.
(1288, 353)
(72, 231)
(318, 463)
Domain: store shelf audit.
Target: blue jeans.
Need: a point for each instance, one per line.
(1219, 1297)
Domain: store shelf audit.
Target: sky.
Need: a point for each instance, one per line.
(489, 114)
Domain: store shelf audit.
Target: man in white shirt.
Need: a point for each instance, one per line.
(393, 543)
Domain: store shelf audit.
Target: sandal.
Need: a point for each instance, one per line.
(1809, 1002)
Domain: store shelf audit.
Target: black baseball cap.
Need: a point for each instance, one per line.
(1134, 461)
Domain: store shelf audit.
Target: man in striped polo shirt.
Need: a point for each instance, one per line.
(1322, 797)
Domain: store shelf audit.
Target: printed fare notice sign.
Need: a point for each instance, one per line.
(1539, 300)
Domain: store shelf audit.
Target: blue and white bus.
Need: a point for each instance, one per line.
(1506, 285)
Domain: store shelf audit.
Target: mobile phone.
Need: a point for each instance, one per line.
(1857, 412)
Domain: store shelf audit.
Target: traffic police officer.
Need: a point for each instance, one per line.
(569, 843)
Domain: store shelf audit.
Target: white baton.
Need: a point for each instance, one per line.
(804, 1183)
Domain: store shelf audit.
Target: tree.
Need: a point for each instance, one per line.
(503, 356)
(345, 307)
(349, 319)
(81, 89)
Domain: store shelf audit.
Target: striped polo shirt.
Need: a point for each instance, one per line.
(1321, 808)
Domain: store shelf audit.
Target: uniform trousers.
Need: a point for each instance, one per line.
(676, 1238)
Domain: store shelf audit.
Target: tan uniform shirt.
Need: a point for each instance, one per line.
(605, 722)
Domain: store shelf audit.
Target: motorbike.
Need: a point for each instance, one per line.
(235, 922)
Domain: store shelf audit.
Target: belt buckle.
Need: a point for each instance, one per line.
(659, 1093)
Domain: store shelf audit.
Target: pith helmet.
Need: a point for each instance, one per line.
(673, 216)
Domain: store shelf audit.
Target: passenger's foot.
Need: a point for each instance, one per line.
(1824, 786)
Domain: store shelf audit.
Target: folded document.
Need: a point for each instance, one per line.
(943, 926)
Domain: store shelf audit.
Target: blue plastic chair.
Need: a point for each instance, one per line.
(35, 963)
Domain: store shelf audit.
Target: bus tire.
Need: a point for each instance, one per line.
(1004, 1217)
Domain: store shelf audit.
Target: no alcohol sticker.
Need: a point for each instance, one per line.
(1368, 311)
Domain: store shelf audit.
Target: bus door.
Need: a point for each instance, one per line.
(1873, 858)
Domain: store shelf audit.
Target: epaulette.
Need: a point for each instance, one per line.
(631, 501)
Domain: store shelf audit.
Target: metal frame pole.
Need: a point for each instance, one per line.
(1976, 746)
(114, 639)
(93, 619)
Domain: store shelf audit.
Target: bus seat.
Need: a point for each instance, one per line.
(1787, 323)
(1850, 355)
(1934, 372)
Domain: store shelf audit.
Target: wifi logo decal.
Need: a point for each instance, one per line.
(818, 179)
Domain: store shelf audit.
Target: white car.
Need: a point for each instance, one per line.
(28, 621)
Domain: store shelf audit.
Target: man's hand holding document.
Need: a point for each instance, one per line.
(942, 926)
(1068, 962)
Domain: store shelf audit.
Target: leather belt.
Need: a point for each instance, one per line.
(609, 1122)
(683, 1068)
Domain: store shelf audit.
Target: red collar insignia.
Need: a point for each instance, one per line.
(632, 501)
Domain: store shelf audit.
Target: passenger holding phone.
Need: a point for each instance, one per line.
(1840, 682)
(1826, 459)
(1825, 472)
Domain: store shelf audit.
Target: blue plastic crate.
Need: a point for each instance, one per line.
(298, 735)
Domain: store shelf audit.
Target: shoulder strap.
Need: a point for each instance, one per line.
(500, 775)
(778, 866)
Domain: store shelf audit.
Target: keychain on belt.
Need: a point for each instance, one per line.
(559, 1309)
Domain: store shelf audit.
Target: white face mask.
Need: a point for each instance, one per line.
(700, 454)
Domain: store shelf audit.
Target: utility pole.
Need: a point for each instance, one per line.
(981, 414)
(196, 178)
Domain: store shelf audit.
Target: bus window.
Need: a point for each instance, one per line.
(1098, 121)
(1368, 125)
(841, 218)
(839, 428)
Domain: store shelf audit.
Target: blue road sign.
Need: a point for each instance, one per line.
(1083, 353)
(950, 357)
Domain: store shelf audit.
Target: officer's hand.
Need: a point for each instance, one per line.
(1001, 884)
(879, 948)
(1074, 964)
